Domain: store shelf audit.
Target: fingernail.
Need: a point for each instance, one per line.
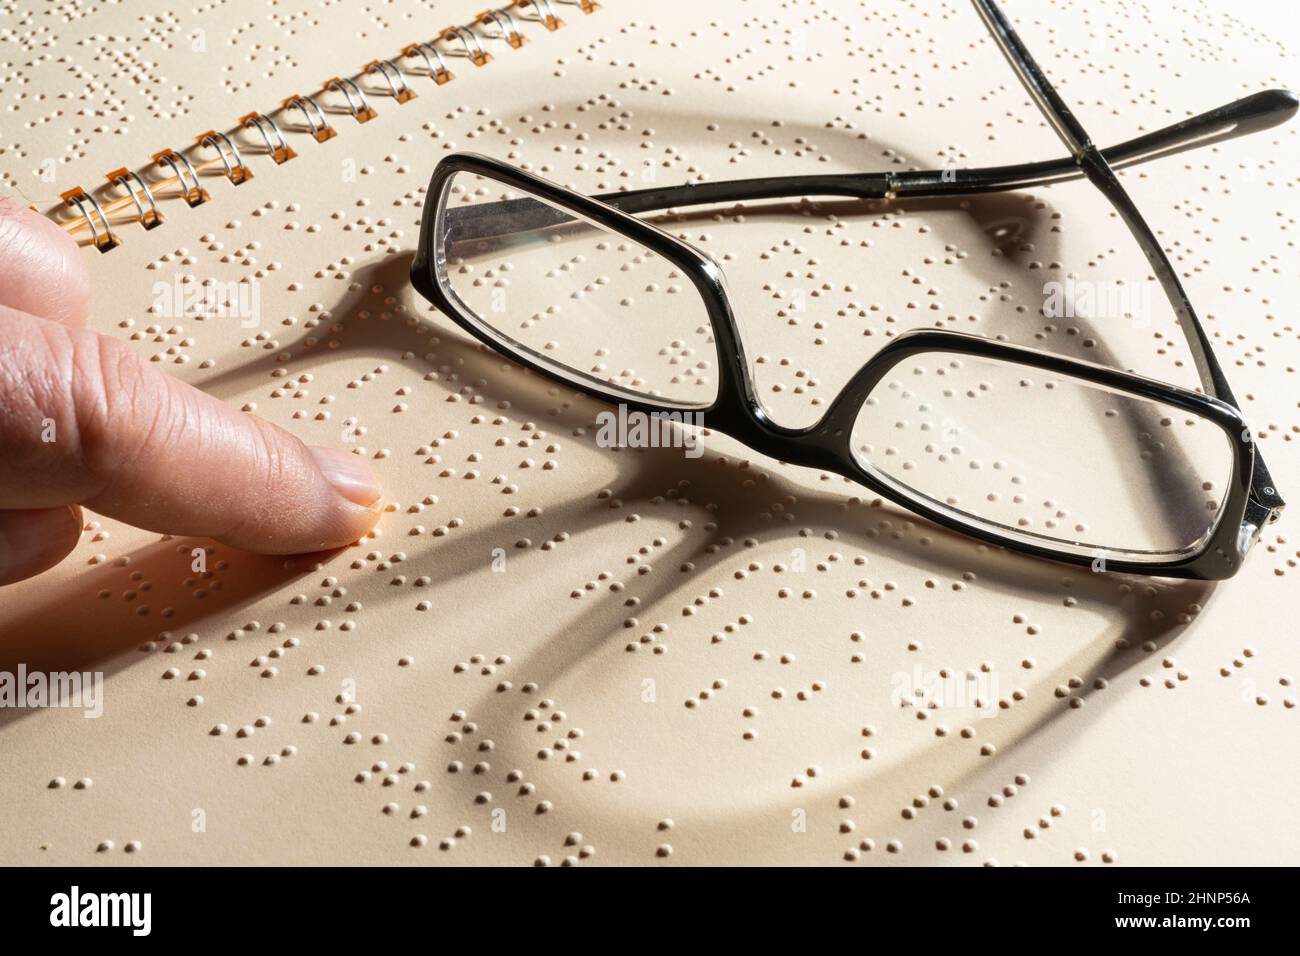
(349, 473)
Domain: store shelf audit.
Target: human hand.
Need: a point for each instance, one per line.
(84, 420)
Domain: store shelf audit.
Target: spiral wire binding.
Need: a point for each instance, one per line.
(321, 130)
(78, 197)
(279, 150)
(132, 189)
(125, 177)
(440, 73)
(403, 92)
(361, 109)
(195, 195)
(473, 49)
(545, 13)
(506, 24)
(236, 174)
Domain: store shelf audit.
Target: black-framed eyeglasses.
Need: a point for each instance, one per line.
(1112, 469)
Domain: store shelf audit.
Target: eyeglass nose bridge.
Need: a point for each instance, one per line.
(826, 440)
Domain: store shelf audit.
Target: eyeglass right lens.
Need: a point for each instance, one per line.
(594, 306)
(1046, 458)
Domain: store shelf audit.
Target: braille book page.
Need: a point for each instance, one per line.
(553, 651)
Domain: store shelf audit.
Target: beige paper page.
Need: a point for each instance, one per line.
(559, 653)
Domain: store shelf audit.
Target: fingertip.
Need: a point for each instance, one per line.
(48, 272)
(333, 503)
(317, 527)
(350, 474)
(357, 506)
(32, 541)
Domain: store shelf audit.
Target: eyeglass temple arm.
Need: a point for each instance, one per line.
(1249, 114)
(1264, 504)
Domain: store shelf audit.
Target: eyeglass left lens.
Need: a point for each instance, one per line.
(589, 303)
